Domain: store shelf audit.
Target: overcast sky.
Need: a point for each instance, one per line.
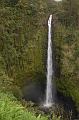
(58, 0)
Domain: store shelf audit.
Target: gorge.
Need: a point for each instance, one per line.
(24, 39)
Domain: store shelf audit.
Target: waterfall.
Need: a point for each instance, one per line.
(50, 71)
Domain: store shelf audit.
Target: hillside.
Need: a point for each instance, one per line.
(23, 45)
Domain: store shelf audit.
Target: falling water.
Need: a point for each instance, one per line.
(50, 72)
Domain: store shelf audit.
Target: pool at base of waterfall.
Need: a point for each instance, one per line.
(48, 105)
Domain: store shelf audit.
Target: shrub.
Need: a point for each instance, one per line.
(11, 109)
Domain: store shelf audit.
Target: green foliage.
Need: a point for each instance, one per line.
(69, 12)
(54, 117)
(9, 3)
(22, 39)
(11, 109)
(23, 44)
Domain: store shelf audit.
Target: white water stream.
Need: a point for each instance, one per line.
(50, 71)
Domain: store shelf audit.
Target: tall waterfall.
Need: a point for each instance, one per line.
(50, 70)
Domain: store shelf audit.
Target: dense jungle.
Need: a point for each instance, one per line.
(23, 57)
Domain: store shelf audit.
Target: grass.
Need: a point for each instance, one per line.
(11, 109)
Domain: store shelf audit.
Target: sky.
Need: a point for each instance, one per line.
(58, 0)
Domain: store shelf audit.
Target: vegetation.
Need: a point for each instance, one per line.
(23, 49)
(11, 109)
(67, 35)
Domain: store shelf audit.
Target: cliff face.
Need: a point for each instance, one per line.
(23, 43)
(23, 37)
(66, 44)
(67, 60)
